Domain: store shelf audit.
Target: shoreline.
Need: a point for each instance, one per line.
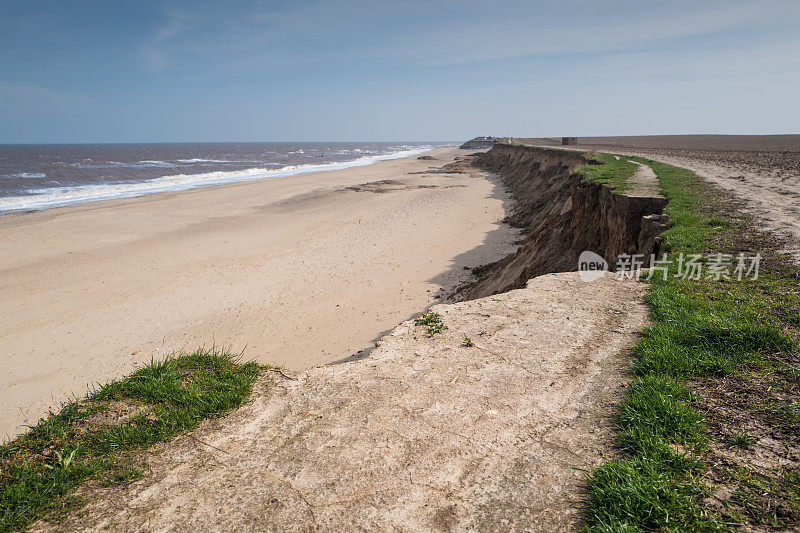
(531, 369)
(172, 182)
(520, 377)
(296, 271)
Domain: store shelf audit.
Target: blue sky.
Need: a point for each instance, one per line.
(305, 70)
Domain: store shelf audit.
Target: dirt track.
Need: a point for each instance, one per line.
(769, 185)
(761, 170)
(426, 434)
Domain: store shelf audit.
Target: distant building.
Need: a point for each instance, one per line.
(568, 140)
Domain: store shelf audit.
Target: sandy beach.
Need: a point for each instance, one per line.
(296, 271)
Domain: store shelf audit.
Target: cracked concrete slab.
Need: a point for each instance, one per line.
(426, 434)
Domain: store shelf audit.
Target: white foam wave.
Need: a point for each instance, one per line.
(60, 196)
(26, 175)
(123, 164)
(200, 160)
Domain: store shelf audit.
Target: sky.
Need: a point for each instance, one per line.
(348, 70)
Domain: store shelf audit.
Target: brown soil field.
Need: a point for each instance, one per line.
(763, 171)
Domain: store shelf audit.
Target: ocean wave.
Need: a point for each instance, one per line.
(44, 198)
(26, 175)
(124, 164)
(200, 160)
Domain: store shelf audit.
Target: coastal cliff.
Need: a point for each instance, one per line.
(478, 143)
(562, 215)
(530, 373)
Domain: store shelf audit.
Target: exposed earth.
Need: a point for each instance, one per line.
(761, 170)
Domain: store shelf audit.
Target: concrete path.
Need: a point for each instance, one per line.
(644, 183)
(425, 434)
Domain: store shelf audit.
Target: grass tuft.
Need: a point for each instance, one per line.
(98, 437)
(642, 494)
(655, 411)
(740, 440)
(433, 322)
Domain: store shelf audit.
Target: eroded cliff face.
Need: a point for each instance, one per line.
(562, 216)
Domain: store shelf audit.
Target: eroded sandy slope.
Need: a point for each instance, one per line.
(424, 434)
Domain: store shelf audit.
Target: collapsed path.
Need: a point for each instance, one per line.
(771, 193)
(425, 434)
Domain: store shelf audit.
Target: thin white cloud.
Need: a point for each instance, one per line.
(154, 51)
(585, 31)
(28, 96)
(262, 35)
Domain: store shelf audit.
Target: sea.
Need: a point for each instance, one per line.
(43, 176)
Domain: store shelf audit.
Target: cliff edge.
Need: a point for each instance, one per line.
(485, 423)
(563, 215)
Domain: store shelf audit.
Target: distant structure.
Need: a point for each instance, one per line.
(565, 141)
(479, 143)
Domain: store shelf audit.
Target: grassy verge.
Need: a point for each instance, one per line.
(97, 439)
(608, 170)
(711, 420)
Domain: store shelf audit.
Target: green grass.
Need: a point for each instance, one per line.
(701, 329)
(97, 438)
(433, 323)
(740, 440)
(644, 493)
(608, 170)
(747, 503)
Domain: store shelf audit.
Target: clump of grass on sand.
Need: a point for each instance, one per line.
(433, 323)
(96, 439)
(699, 400)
